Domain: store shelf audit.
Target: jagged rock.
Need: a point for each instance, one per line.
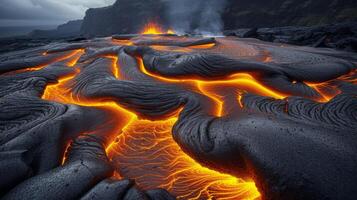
(340, 36)
(348, 44)
(243, 33)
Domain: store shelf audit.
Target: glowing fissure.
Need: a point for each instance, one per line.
(162, 163)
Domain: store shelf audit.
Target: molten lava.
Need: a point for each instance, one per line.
(211, 89)
(146, 152)
(154, 29)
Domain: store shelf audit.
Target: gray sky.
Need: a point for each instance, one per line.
(45, 12)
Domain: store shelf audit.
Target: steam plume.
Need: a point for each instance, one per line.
(199, 16)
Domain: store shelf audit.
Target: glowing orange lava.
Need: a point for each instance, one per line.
(170, 31)
(167, 166)
(145, 151)
(75, 57)
(325, 90)
(328, 90)
(154, 29)
(60, 92)
(243, 81)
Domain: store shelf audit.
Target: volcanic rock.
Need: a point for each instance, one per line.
(339, 36)
(282, 110)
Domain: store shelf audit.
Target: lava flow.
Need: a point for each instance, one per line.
(212, 89)
(146, 152)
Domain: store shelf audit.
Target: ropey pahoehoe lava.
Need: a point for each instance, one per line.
(162, 116)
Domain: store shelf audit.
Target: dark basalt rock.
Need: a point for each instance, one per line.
(109, 189)
(339, 36)
(349, 44)
(243, 33)
(87, 164)
(159, 194)
(13, 169)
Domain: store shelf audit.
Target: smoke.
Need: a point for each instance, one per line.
(197, 16)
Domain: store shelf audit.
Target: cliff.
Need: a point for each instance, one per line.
(127, 16)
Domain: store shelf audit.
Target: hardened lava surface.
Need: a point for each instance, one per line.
(178, 117)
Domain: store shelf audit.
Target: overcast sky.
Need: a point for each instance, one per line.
(45, 12)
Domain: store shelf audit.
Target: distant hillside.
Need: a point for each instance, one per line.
(127, 16)
(70, 29)
(20, 30)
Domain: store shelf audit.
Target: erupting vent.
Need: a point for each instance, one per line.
(153, 28)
